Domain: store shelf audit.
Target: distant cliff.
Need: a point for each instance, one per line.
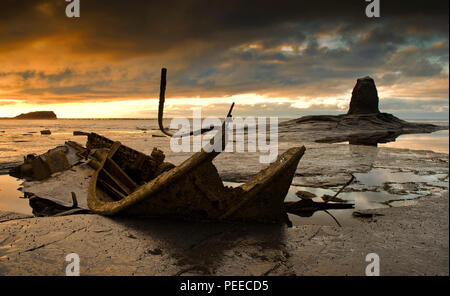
(37, 115)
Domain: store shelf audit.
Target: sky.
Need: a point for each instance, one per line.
(272, 58)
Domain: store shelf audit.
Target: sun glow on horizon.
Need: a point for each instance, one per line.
(148, 107)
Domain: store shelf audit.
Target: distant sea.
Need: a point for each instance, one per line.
(21, 137)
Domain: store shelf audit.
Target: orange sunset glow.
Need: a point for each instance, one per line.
(107, 62)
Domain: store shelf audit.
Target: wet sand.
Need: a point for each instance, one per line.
(409, 241)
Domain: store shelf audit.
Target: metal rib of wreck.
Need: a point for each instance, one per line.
(193, 190)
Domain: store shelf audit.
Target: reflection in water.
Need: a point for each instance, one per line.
(369, 199)
(10, 196)
(437, 142)
(379, 176)
(364, 200)
(374, 138)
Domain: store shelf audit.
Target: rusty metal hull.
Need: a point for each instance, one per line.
(194, 191)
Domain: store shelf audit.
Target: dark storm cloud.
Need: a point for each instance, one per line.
(53, 77)
(156, 26)
(215, 48)
(67, 73)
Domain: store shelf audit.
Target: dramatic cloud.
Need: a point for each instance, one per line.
(307, 52)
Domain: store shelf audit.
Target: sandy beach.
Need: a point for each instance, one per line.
(409, 240)
(411, 236)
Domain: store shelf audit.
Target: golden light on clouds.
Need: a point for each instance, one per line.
(272, 58)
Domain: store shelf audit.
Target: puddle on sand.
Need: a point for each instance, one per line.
(379, 176)
(364, 200)
(436, 141)
(11, 199)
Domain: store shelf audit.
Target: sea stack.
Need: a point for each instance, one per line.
(364, 97)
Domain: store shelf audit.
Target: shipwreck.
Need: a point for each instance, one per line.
(109, 178)
(192, 190)
(126, 182)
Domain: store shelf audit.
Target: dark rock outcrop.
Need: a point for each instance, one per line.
(37, 115)
(364, 97)
(364, 124)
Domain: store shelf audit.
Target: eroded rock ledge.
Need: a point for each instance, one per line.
(360, 129)
(363, 124)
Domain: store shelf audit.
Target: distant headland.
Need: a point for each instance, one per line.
(37, 115)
